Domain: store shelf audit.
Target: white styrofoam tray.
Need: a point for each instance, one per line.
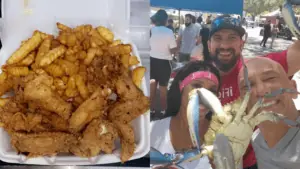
(26, 25)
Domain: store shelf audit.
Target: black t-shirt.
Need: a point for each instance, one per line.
(267, 28)
(170, 27)
(204, 33)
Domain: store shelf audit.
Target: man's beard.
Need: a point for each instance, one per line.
(225, 67)
(187, 24)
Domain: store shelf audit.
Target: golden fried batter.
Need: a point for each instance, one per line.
(44, 143)
(98, 136)
(46, 98)
(92, 108)
(128, 110)
(127, 141)
(73, 93)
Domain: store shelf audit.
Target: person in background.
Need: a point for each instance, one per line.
(171, 134)
(197, 53)
(274, 32)
(267, 33)
(204, 37)
(170, 24)
(198, 23)
(193, 19)
(162, 46)
(188, 38)
(208, 19)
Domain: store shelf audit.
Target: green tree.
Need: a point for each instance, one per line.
(256, 7)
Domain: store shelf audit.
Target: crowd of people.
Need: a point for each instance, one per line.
(213, 56)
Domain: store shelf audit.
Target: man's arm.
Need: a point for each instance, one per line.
(293, 58)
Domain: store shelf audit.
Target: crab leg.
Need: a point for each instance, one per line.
(242, 110)
(223, 154)
(207, 150)
(253, 110)
(265, 116)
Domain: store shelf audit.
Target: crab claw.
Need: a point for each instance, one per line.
(223, 154)
(157, 158)
(289, 16)
(209, 100)
(294, 2)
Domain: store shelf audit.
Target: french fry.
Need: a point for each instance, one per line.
(81, 86)
(55, 70)
(71, 90)
(63, 27)
(81, 55)
(17, 71)
(26, 48)
(69, 67)
(90, 56)
(137, 75)
(3, 77)
(52, 55)
(65, 79)
(133, 60)
(43, 49)
(125, 60)
(28, 60)
(71, 58)
(3, 101)
(106, 34)
(5, 86)
(59, 84)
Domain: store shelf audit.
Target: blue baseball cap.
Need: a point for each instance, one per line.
(227, 22)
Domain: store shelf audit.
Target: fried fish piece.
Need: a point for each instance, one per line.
(98, 136)
(25, 122)
(126, 88)
(55, 123)
(40, 93)
(126, 134)
(43, 143)
(125, 111)
(92, 108)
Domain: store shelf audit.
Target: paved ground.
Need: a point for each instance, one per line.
(253, 49)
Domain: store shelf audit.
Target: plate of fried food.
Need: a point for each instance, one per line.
(75, 98)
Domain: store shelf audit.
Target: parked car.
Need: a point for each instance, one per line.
(250, 23)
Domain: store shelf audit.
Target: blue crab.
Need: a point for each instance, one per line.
(230, 120)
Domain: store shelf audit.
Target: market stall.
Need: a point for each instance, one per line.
(216, 6)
